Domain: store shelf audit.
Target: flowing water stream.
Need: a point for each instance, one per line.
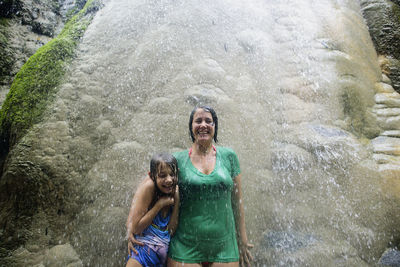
(293, 85)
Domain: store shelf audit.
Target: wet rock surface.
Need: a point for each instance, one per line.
(287, 241)
(58, 255)
(391, 258)
(9, 8)
(383, 19)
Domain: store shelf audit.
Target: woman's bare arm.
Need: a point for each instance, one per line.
(238, 210)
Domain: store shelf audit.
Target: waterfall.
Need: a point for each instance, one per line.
(293, 84)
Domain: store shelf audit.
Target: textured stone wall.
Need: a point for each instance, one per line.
(383, 19)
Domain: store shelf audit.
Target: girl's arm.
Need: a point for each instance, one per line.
(142, 216)
(131, 238)
(140, 203)
(173, 222)
(238, 210)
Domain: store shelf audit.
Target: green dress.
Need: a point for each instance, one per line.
(206, 230)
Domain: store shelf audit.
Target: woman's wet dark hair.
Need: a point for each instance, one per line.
(162, 158)
(213, 115)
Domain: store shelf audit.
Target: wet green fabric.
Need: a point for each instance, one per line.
(206, 230)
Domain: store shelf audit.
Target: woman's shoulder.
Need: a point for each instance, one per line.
(225, 150)
(180, 154)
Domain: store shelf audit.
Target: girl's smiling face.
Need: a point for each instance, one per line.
(203, 126)
(166, 180)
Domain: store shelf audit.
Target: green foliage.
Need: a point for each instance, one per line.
(36, 82)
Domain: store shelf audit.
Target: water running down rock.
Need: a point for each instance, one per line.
(297, 88)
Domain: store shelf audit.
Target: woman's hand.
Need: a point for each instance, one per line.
(131, 242)
(173, 222)
(244, 254)
(176, 195)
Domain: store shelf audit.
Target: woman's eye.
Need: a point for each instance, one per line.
(206, 121)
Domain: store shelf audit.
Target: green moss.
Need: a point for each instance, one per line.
(35, 84)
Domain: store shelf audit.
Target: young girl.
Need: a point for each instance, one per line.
(153, 216)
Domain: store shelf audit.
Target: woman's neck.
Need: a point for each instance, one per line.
(202, 149)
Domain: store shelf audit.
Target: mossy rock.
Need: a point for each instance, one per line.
(36, 83)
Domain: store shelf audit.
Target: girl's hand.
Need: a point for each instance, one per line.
(245, 255)
(131, 242)
(165, 201)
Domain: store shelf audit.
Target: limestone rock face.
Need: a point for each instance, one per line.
(391, 257)
(59, 255)
(383, 19)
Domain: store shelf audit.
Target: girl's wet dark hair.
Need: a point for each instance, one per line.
(162, 158)
(213, 115)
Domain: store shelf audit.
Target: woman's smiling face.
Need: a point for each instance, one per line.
(203, 126)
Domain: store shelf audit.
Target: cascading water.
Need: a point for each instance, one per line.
(293, 85)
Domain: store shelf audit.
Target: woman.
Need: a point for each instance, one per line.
(211, 202)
